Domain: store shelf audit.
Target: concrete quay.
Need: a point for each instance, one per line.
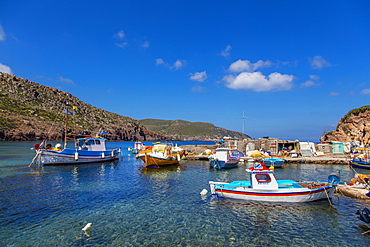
(197, 152)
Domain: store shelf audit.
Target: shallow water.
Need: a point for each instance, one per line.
(134, 206)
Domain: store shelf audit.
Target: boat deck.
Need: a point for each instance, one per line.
(283, 184)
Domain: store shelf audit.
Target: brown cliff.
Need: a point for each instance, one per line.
(354, 126)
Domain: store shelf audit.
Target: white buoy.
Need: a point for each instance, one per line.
(102, 155)
(87, 227)
(76, 155)
(204, 192)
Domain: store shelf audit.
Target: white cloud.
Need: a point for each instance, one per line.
(199, 76)
(159, 61)
(2, 34)
(256, 81)
(333, 94)
(197, 88)
(308, 83)
(66, 81)
(314, 77)
(121, 34)
(311, 82)
(318, 62)
(179, 64)
(122, 45)
(4, 68)
(176, 65)
(145, 44)
(365, 91)
(247, 66)
(226, 52)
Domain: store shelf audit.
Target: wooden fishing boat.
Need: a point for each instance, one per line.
(86, 150)
(225, 158)
(161, 155)
(264, 187)
(362, 160)
(363, 163)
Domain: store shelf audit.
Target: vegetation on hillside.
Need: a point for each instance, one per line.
(182, 129)
(27, 110)
(356, 112)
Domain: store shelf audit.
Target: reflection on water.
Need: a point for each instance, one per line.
(162, 173)
(134, 206)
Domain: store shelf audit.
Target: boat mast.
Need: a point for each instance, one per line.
(65, 127)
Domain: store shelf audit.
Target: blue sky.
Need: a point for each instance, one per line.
(293, 67)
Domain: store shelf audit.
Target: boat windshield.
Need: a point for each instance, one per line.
(263, 178)
(87, 142)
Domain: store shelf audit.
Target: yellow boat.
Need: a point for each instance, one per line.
(161, 155)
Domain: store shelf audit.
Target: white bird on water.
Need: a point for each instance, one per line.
(87, 227)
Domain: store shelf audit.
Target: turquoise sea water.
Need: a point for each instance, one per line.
(134, 206)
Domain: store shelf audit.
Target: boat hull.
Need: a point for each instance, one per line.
(219, 164)
(280, 195)
(360, 164)
(71, 156)
(277, 163)
(157, 161)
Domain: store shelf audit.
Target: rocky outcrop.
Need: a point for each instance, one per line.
(29, 111)
(354, 126)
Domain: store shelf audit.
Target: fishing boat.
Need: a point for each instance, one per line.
(273, 161)
(362, 160)
(225, 158)
(360, 163)
(86, 150)
(161, 155)
(138, 146)
(264, 187)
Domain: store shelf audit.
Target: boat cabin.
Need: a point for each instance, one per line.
(227, 154)
(91, 144)
(222, 154)
(139, 145)
(262, 177)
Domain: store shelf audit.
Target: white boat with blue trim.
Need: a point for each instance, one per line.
(86, 150)
(225, 158)
(264, 187)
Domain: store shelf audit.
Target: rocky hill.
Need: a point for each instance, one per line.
(354, 126)
(29, 111)
(184, 130)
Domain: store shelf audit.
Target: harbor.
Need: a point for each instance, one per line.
(130, 205)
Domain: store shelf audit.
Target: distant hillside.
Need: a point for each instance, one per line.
(28, 110)
(180, 129)
(354, 126)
